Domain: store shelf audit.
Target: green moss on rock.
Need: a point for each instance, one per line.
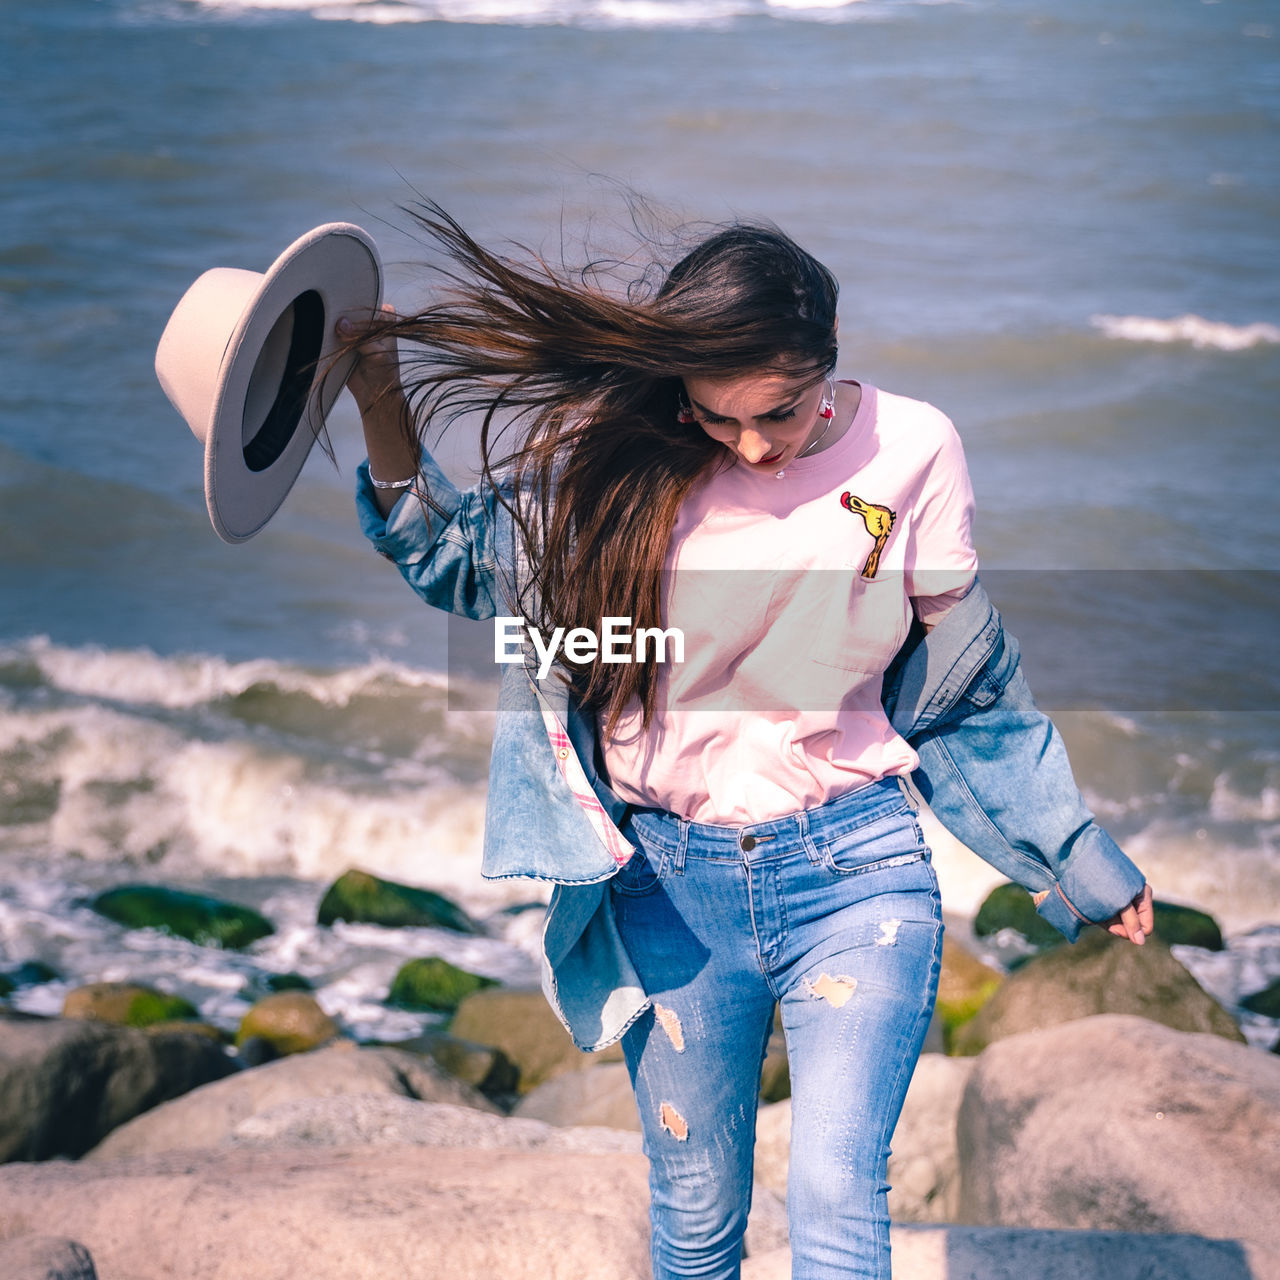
(126, 1004)
(209, 921)
(1187, 926)
(290, 1022)
(1099, 974)
(434, 983)
(1010, 906)
(362, 898)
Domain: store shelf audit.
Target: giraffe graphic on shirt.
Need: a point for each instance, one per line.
(879, 521)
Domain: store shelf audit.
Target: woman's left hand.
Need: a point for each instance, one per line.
(1134, 921)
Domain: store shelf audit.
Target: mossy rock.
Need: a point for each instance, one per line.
(362, 898)
(479, 1065)
(126, 1004)
(434, 983)
(1186, 926)
(289, 1021)
(1010, 906)
(1099, 974)
(209, 921)
(520, 1023)
(206, 1030)
(965, 985)
(1266, 1002)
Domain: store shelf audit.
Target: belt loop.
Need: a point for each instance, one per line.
(681, 845)
(806, 841)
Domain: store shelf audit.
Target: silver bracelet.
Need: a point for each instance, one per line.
(390, 484)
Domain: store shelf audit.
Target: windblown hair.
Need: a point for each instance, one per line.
(588, 380)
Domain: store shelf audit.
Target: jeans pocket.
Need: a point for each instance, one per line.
(892, 840)
(641, 875)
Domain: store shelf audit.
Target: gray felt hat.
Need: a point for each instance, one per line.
(247, 358)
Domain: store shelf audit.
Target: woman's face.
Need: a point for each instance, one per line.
(765, 419)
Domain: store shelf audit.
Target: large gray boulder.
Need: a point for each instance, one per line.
(997, 1253)
(767, 1229)
(1099, 974)
(601, 1096)
(923, 1165)
(207, 1116)
(381, 1119)
(343, 1213)
(773, 1146)
(519, 1021)
(480, 1065)
(38, 1257)
(65, 1083)
(1120, 1124)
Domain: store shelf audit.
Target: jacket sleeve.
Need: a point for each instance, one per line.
(994, 770)
(447, 554)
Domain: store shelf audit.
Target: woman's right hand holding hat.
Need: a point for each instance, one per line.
(377, 370)
(384, 412)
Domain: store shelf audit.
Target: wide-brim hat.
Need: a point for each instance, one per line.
(247, 358)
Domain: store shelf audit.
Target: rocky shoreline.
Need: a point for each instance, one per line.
(1093, 1111)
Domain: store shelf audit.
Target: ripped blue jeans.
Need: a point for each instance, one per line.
(834, 915)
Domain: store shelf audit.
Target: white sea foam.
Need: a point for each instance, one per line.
(350, 966)
(140, 676)
(1192, 329)
(590, 13)
(123, 756)
(1229, 803)
(129, 789)
(809, 4)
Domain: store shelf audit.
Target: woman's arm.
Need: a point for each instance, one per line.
(442, 540)
(375, 384)
(995, 772)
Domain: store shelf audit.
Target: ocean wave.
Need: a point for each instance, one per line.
(1195, 330)
(588, 13)
(143, 677)
(114, 787)
(252, 768)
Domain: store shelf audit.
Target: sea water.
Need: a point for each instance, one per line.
(1056, 221)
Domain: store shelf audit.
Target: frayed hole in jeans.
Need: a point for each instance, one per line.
(837, 992)
(888, 933)
(669, 1021)
(673, 1122)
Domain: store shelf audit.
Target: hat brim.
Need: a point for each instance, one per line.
(278, 378)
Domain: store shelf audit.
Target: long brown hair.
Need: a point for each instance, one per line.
(588, 381)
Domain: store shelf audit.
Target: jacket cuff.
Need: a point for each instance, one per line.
(411, 527)
(1095, 883)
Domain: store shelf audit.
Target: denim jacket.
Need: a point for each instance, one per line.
(992, 766)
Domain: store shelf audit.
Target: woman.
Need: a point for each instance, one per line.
(728, 832)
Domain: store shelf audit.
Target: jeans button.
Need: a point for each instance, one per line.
(748, 843)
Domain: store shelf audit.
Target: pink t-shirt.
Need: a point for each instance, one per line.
(793, 595)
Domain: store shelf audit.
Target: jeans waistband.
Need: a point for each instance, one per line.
(758, 841)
